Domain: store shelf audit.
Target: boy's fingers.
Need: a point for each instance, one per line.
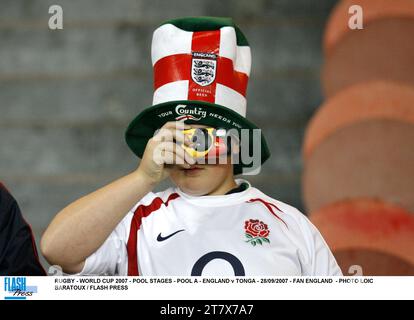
(165, 134)
(176, 128)
(170, 158)
(182, 153)
(178, 125)
(189, 159)
(168, 146)
(179, 136)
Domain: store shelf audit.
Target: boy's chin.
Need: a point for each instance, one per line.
(194, 193)
(195, 186)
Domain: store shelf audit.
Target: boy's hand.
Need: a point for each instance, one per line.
(162, 151)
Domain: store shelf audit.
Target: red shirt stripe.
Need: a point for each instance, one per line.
(270, 207)
(142, 211)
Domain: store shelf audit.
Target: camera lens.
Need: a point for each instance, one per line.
(202, 140)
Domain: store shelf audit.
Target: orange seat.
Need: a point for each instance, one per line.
(360, 143)
(382, 50)
(365, 101)
(369, 233)
(373, 10)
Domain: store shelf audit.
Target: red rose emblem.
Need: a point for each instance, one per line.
(256, 231)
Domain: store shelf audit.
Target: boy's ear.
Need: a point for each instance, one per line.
(235, 151)
(234, 144)
(235, 147)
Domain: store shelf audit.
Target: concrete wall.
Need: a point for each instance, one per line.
(67, 96)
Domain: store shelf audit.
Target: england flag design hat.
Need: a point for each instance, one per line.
(201, 69)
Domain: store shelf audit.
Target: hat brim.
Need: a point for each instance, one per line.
(142, 128)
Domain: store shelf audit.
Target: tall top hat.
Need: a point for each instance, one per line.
(201, 70)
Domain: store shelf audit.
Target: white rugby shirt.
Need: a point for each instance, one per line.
(171, 233)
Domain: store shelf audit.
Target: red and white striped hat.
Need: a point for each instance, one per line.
(201, 70)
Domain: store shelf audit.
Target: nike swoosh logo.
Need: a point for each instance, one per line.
(161, 238)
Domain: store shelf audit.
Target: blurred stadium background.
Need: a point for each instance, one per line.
(66, 97)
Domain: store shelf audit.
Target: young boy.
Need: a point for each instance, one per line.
(210, 223)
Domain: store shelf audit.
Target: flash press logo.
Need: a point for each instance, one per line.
(16, 288)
